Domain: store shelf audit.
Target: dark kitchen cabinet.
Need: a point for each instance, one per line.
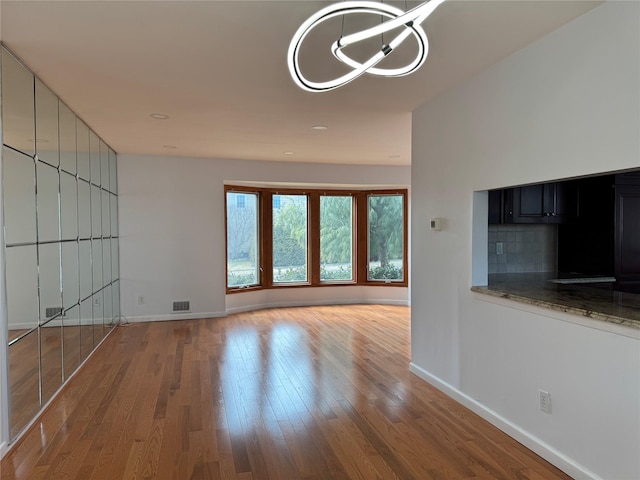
(542, 203)
(586, 244)
(627, 236)
(496, 206)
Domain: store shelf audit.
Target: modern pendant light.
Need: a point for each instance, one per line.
(411, 20)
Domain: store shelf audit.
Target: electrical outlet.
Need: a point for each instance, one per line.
(96, 301)
(544, 401)
(499, 248)
(141, 300)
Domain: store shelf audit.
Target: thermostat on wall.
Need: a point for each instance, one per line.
(436, 224)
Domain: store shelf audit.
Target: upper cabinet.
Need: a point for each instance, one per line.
(555, 202)
(627, 232)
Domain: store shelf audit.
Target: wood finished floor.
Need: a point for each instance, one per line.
(297, 393)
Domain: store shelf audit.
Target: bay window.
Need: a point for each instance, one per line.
(294, 238)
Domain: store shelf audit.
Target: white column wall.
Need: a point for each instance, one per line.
(567, 105)
(172, 238)
(4, 412)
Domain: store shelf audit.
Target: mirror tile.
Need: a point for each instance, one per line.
(84, 209)
(70, 274)
(71, 341)
(108, 308)
(85, 276)
(96, 212)
(47, 199)
(98, 317)
(104, 165)
(19, 188)
(24, 382)
(115, 260)
(106, 262)
(96, 264)
(106, 214)
(86, 328)
(82, 150)
(116, 301)
(46, 125)
(68, 206)
(18, 121)
(67, 139)
(113, 175)
(51, 353)
(49, 281)
(94, 157)
(22, 289)
(113, 211)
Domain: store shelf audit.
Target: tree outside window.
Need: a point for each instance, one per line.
(290, 239)
(385, 246)
(336, 238)
(242, 239)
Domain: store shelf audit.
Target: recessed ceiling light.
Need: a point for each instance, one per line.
(288, 152)
(159, 116)
(319, 127)
(169, 147)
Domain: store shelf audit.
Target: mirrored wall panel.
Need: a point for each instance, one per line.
(60, 199)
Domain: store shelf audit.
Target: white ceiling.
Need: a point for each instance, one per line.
(218, 69)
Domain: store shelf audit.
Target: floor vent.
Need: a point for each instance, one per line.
(182, 306)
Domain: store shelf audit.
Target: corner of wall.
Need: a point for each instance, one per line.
(526, 438)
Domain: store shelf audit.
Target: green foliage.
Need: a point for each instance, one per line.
(387, 272)
(238, 279)
(336, 225)
(341, 273)
(290, 235)
(286, 250)
(385, 228)
(296, 274)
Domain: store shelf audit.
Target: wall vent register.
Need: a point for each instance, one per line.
(181, 306)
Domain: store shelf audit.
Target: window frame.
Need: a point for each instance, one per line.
(260, 252)
(360, 238)
(404, 238)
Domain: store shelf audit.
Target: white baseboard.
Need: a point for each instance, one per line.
(359, 301)
(174, 316)
(4, 448)
(533, 443)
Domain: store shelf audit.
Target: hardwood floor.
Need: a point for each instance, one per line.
(297, 393)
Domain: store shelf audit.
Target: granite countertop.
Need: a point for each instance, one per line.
(579, 298)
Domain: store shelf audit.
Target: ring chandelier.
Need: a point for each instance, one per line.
(412, 20)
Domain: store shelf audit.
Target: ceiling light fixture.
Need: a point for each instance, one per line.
(288, 152)
(159, 116)
(411, 20)
(169, 147)
(319, 127)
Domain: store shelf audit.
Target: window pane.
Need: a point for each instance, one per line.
(242, 239)
(336, 238)
(386, 233)
(290, 239)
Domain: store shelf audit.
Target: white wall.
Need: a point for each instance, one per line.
(568, 105)
(4, 413)
(172, 240)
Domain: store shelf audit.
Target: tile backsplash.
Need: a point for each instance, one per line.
(526, 248)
